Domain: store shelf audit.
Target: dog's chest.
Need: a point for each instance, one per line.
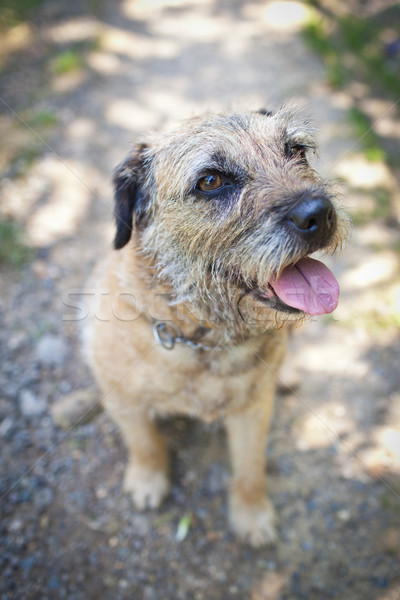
(206, 384)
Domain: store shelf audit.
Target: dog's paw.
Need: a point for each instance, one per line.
(147, 488)
(253, 523)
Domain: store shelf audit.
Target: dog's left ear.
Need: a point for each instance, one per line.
(130, 197)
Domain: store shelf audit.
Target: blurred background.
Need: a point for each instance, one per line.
(79, 82)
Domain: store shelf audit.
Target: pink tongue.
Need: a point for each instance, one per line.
(309, 286)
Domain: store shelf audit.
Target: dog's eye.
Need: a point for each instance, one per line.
(210, 182)
(296, 151)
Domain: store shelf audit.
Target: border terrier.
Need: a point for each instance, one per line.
(215, 225)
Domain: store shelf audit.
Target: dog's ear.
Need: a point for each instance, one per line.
(130, 198)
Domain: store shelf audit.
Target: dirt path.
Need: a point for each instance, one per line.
(67, 530)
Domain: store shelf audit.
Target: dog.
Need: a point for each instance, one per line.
(215, 224)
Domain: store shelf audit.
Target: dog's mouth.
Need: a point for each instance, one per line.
(307, 286)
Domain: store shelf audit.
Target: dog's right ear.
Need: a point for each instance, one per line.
(130, 198)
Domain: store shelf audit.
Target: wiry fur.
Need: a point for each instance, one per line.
(196, 246)
(196, 261)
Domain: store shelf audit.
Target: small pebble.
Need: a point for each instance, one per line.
(51, 350)
(344, 515)
(77, 408)
(30, 405)
(43, 498)
(6, 426)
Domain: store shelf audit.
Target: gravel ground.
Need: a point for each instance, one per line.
(67, 531)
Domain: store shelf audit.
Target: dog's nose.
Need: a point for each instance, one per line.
(314, 218)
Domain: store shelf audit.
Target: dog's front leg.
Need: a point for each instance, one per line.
(251, 513)
(146, 475)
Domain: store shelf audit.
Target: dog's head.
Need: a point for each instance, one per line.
(229, 209)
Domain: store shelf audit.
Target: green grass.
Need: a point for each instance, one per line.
(42, 118)
(13, 249)
(23, 159)
(357, 32)
(183, 528)
(24, 156)
(372, 322)
(364, 38)
(13, 13)
(368, 139)
(381, 209)
(67, 61)
(390, 501)
(353, 47)
(317, 35)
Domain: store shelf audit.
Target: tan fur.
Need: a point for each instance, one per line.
(193, 263)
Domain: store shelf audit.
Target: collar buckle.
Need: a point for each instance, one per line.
(162, 335)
